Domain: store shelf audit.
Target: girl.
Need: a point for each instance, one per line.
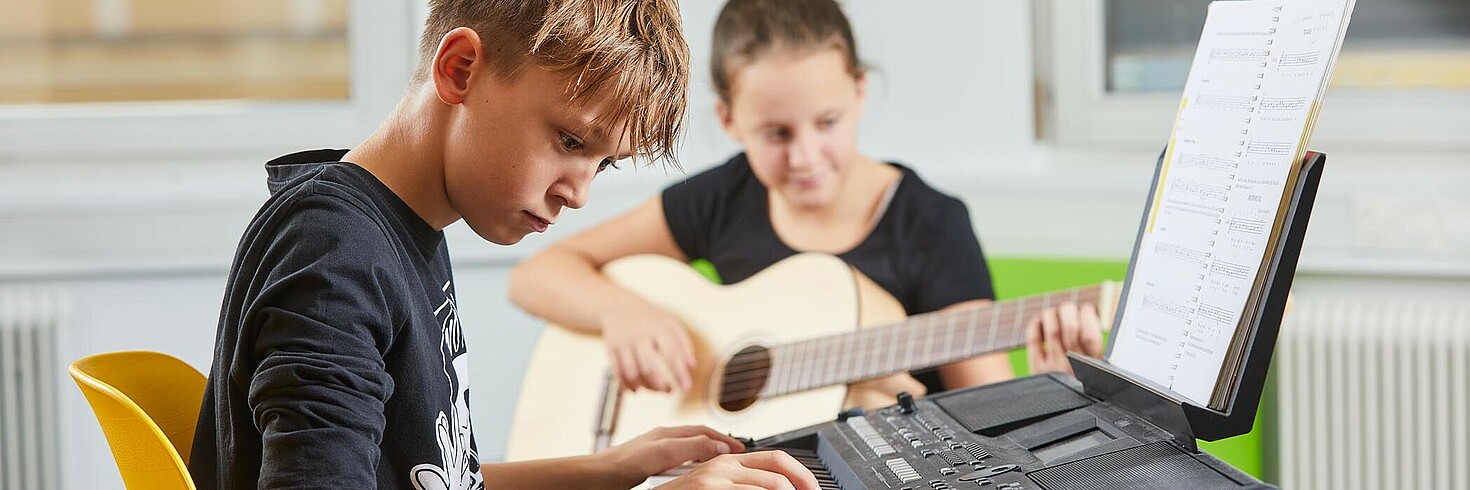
(791, 90)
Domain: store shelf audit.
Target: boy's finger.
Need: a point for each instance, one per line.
(693, 448)
(782, 464)
(705, 431)
(765, 480)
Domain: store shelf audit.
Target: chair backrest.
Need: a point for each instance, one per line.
(148, 405)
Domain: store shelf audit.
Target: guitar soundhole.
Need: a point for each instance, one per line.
(744, 378)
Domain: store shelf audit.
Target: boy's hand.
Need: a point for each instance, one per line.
(648, 348)
(664, 448)
(769, 470)
(1059, 330)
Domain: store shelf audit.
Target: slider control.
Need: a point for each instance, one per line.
(906, 402)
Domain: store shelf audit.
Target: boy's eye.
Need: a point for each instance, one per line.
(606, 162)
(827, 123)
(569, 143)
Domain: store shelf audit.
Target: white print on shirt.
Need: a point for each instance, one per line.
(459, 466)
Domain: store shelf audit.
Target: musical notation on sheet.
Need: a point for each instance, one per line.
(1183, 253)
(1283, 103)
(1244, 103)
(1208, 162)
(1248, 226)
(1201, 190)
(1232, 55)
(1291, 60)
(1167, 306)
(1247, 108)
(1271, 147)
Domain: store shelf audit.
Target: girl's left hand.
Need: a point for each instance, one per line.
(1059, 330)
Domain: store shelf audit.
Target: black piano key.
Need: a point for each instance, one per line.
(813, 463)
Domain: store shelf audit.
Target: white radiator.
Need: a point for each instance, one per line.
(29, 375)
(1374, 394)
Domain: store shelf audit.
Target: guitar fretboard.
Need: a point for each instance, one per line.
(921, 341)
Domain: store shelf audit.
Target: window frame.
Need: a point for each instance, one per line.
(1079, 111)
(381, 53)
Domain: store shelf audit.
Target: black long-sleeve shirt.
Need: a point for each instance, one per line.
(339, 360)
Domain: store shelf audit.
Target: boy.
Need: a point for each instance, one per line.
(339, 360)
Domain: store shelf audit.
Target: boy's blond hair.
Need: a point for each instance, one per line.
(634, 48)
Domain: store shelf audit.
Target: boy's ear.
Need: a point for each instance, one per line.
(722, 111)
(459, 56)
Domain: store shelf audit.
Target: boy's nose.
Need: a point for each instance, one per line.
(573, 193)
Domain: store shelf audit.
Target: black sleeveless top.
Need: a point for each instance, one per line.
(922, 250)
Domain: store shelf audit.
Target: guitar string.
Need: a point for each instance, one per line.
(848, 338)
(743, 362)
(739, 389)
(909, 340)
(752, 381)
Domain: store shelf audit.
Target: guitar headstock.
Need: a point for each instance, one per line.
(1109, 292)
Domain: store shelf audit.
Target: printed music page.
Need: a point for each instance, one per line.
(1252, 93)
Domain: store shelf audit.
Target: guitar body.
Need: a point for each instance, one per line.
(804, 296)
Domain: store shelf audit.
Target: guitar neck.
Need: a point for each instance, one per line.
(921, 341)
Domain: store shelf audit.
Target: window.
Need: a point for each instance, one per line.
(133, 76)
(1116, 68)
(84, 51)
(1391, 45)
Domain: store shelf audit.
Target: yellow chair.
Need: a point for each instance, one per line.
(147, 404)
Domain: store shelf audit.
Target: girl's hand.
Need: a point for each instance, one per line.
(648, 348)
(877, 393)
(1059, 330)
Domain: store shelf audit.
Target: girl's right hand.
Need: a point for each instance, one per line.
(767, 470)
(648, 348)
(878, 393)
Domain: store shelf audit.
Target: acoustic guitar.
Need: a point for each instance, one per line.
(775, 352)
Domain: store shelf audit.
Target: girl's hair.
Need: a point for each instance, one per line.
(749, 29)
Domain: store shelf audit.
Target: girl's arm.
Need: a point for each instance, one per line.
(647, 347)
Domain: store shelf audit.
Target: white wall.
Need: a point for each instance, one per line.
(142, 241)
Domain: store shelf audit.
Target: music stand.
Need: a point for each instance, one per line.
(1185, 419)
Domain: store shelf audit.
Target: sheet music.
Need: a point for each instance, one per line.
(1247, 109)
